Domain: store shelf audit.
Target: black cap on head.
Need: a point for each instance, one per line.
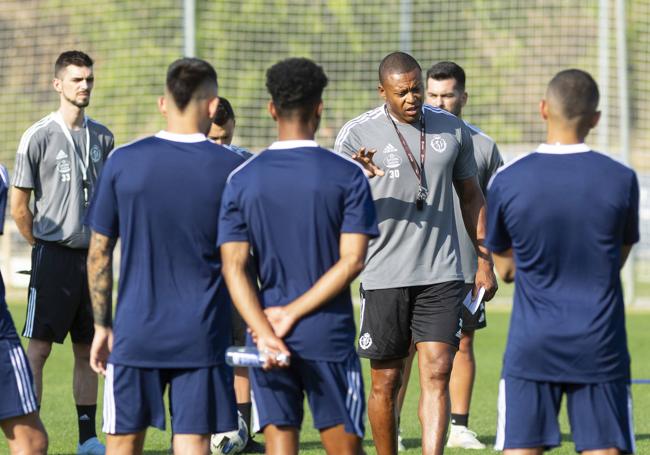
(574, 92)
(295, 84)
(76, 58)
(397, 63)
(189, 78)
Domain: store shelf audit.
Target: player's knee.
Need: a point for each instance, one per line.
(38, 352)
(437, 369)
(466, 347)
(386, 383)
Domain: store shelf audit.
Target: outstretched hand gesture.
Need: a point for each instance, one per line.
(364, 157)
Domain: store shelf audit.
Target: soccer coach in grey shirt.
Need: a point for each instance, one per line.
(445, 89)
(412, 283)
(59, 159)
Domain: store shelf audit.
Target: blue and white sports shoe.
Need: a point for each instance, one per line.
(91, 446)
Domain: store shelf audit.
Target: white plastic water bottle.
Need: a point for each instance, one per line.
(250, 356)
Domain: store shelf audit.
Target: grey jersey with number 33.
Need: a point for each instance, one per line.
(51, 162)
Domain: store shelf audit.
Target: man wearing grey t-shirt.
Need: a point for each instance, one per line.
(413, 281)
(445, 89)
(59, 159)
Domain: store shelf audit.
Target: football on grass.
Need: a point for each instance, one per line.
(230, 442)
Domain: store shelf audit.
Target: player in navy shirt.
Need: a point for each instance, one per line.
(19, 418)
(561, 222)
(307, 213)
(161, 196)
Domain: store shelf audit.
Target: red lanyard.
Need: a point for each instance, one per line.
(419, 170)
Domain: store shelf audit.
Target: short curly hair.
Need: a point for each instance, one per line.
(296, 85)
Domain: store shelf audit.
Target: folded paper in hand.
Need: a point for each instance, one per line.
(473, 304)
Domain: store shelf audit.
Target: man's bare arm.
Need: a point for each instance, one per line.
(505, 265)
(234, 256)
(473, 207)
(22, 215)
(100, 278)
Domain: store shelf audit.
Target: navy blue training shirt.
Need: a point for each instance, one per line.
(565, 211)
(7, 328)
(161, 196)
(292, 202)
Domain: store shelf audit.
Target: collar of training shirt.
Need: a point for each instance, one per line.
(292, 144)
(188, 138)
(563, 148)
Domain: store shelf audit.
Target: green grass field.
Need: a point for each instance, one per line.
(58, 412)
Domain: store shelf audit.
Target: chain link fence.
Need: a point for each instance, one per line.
(509, 49)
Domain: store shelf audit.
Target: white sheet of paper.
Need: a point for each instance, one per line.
(472, 305)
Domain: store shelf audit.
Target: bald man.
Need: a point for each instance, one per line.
(412, 284)
(561, 222)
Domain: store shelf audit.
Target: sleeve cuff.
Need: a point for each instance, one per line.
(103, 230)
(231, 238)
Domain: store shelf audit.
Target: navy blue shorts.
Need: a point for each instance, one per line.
(334, 391)
(600, 415)
(16, 381)
(202, 400)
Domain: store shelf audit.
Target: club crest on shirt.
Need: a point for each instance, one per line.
(392, 161)
(95, 153)
(63, 166)
(438, 143)
(365, 341)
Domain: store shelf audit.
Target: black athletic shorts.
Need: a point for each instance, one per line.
(391, 318)
(474, 321)
(58, 299)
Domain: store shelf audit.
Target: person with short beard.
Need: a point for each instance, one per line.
(59, 159)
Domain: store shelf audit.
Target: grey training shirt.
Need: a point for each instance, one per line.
(414, 247)
(488, 160)
(51, 162)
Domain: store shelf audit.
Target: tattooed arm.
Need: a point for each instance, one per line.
(100, 283)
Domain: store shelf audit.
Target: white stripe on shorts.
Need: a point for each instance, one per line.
(363, 309)
(109, 402)
(354, 399)
(31, 304)
(25, 388)
(255, 416)
(31, 300)
(29, 384)
(501, 417)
